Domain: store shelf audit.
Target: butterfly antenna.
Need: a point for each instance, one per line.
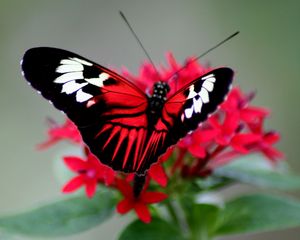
(138, 40)
(206, 52)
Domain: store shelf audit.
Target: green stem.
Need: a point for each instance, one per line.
(192, 232)
(172, 212)
(178, 216)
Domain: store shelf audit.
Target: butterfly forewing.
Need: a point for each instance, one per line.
(193, 103)
(112, 114)
(82, 89)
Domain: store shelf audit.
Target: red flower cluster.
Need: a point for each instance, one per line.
(234, 130)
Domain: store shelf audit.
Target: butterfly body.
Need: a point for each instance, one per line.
(126, 129)
(157, 101)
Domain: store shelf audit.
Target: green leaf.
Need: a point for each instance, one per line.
(257, 213)
(158, 229)
(200, 216)
(202, 219)
(211, 183)
(258, 172)
(61, 218)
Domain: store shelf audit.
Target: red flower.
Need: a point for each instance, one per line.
(56, 133)
(139, 204)
(224, 130)
(228, 133)
(89, 171)
(268, 139)
(238, 103)
(266, 146)
(196, 143)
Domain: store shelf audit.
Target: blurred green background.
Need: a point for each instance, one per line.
(265, 57)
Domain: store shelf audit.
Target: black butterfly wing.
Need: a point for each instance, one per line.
(193, 103)
(109, 111)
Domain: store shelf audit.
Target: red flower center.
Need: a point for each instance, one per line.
(91, 173)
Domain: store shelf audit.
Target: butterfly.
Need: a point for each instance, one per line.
(124, 127)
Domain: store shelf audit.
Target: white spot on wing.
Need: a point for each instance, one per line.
(197, 105)
(211, 79)
(72, 69)
(98, 81)
(103, 76)
(69, 77)
(208, 85)
(208, 76)
(192, 93)
(69, 68)
(204, 95)
(72, 86)
(82, 96)
(68, 61)
(90, 103)
(188, 112)
(182, 117)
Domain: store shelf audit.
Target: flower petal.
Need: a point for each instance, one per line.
(142, 212)
(93, 161)
(251, 113)
(231, 122)
(124, 187)
(75, 163)
(271, 137)
(153, 197)
(73, 184)
(124, 206)
(48, 143)
(109, 177)
(272, 153)
(197, 151)
(90, 188)
(67, 131)
(208, 135)
(240, 141)
(157, 173)
(166, 155)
